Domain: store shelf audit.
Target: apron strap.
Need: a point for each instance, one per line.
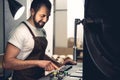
(29, 29)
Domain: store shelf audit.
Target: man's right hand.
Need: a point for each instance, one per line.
(47, 65)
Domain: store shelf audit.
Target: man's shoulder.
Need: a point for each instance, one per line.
(21, 28)
(19, 31)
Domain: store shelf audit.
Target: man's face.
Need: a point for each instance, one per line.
(41, 17)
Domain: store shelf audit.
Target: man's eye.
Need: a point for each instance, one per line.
(42, 15)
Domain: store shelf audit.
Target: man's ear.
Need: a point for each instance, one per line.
(32, 12)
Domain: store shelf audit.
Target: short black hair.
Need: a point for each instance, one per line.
(36, 4)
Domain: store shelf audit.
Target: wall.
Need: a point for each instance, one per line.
(75, 11)
(1, 26)
(65, 13)
(60, 22)
(49, 31)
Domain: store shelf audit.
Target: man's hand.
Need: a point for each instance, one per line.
(47, 65)
(68, 60)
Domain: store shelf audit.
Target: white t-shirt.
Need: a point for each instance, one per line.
(23, 39)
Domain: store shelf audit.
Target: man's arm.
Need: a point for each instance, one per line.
(10, 60)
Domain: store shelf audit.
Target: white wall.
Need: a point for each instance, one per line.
(28, 8)
(60, 23)
(75, 10)
(61, 4)
(49, 32)
(65, 13)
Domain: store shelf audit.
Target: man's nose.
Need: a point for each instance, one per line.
(45, 19)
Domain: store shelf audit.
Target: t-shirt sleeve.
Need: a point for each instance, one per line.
(16, 38)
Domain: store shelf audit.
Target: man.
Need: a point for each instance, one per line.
(26, 46)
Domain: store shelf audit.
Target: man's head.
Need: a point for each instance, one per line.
(40, 12)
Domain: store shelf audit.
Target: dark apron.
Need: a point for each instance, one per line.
(37, 53)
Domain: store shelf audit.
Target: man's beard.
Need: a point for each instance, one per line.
(37, 24)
